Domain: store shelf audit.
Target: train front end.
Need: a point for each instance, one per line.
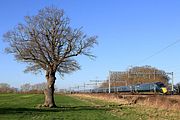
(162, 88)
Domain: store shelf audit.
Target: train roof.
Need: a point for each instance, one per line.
(150, 83)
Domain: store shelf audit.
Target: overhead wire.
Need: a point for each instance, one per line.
(159, 51)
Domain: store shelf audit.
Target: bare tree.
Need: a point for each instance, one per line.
(26, 87)
(39, 86)
(4, 85)
(137, 75)
(146, 74)
(47, 42)
(5, 88)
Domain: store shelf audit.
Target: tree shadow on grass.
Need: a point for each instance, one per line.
(58, 109)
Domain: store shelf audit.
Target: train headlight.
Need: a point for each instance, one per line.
(164, 90)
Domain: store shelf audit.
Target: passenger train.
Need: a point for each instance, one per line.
(155, 87)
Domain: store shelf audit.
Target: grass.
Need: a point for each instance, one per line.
(22, 107)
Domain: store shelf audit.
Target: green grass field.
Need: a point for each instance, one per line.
(23, 107)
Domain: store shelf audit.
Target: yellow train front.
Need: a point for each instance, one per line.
(161, 87)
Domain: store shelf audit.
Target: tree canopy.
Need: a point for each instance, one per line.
(138, 75)
(46, 41)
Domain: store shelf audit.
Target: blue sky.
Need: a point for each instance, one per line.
(128, 32)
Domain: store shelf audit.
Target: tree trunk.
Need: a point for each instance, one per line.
(49, 91)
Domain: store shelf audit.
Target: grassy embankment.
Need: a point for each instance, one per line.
(22, 107)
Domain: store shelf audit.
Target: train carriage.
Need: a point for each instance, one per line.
(156, 87)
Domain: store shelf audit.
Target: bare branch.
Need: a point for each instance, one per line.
(46, 41)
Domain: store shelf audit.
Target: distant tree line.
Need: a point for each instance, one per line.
(35, 88)
(25, 88)
(6, 88)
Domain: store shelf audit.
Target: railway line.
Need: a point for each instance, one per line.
(148, 88)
